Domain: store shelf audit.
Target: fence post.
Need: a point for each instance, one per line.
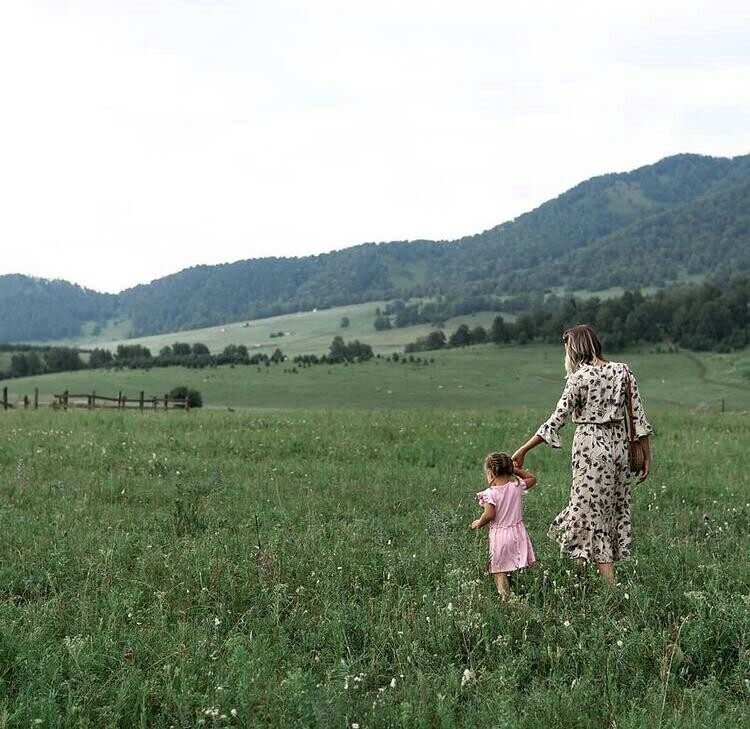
(187, 404)
(36, 398)
(93, 399)
(166, 402)
(25, 402)
(140, 401)
(124, 402)
(65, 398)
(5, 398)
(119, 399)
(88, 401)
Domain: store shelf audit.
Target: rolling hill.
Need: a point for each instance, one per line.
(686, 215)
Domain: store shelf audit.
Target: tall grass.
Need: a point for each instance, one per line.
(316, 569)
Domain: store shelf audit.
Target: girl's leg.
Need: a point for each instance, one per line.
(607, 571)
(503, 586)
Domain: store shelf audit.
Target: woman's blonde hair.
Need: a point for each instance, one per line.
(582, 346)
(499, 464)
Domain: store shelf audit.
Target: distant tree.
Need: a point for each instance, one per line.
(500, 332)
(100, 358)
(277, 356)
(34, 362)
(62, 359)
(461, 337)
(19, 365)
(358, 351)
(337, 350)
(381, 323)
(436, 339)
(181, 349)
(131, 353)
(165, 351)
(478, 335)
(200, 348)
(344, 322)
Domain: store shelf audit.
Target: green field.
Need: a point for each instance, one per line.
(306, 332)
(314, 568)
(305, 559)
(476, 377)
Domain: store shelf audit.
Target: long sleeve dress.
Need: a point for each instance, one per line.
(595, 525)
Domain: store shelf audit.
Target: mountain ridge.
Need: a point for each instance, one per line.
(587, 237)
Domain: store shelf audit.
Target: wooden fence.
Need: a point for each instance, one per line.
(93, 401)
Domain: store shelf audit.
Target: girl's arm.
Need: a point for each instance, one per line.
(487, 516)
(528, 477)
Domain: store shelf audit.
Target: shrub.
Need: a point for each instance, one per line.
(193, 396)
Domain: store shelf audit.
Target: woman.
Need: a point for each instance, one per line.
(595, 525)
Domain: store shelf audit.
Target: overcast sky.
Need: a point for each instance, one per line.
(139, 138)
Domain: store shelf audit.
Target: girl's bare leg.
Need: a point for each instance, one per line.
(607, 571)
(503, 586)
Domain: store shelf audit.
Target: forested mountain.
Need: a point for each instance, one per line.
(687, 214)
(35, 308)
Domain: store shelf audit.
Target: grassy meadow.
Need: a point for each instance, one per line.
(314, 568)
(305, 332)
(304, 560)
(478, 377)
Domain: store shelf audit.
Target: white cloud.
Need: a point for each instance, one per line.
(141, 137)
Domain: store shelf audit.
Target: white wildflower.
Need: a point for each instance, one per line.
(467, 677)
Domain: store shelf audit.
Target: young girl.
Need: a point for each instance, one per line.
(510, 546)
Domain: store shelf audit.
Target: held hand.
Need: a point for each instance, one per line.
(645, 471)
(518, 457)
(475, 524)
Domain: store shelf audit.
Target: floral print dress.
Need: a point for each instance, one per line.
(595, 525)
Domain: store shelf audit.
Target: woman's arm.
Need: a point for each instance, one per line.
(487, 516)
(520, 454)
(549, 430)
(641, 426)
(646, 443)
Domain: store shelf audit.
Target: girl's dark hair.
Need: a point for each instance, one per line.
(499, 464)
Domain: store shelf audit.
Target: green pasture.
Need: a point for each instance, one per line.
(313, 568)
(479, 377)
(306, 332)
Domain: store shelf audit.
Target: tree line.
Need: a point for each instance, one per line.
(37, 361)
(705, 317)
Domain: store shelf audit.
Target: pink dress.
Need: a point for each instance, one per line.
(510, 546)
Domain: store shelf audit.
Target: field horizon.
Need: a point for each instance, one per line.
(523, 376)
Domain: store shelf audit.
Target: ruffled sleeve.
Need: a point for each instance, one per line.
(642, 426)
(488, 496)
(549, 431)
